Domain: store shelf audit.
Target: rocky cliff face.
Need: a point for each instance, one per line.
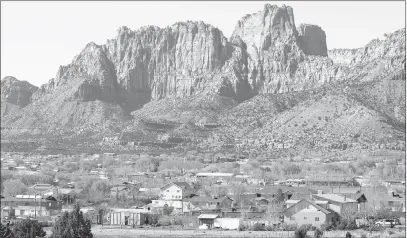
(266, 54)
(16, 92)
(312, 40)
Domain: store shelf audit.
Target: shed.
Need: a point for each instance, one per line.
(208, 219)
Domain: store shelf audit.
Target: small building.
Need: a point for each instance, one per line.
(211, 203)
(126, 217)
(30, 206)
(207, 219)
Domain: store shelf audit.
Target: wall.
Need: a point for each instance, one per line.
(310, 214)
(227, 223)
(119, 218)
(173, 192)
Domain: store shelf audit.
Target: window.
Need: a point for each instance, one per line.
(305, 218)
(337, 219)
(178, 191)
(292, 218)
(49, 204)
(316, 218)
(168, 191)
(21, 212)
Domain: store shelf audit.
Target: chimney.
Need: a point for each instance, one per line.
(55, 192)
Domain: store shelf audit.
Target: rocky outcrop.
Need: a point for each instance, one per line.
(16, 92)
(312, 40)
(266, 54)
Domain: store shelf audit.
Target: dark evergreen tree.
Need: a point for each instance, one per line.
(72, 225)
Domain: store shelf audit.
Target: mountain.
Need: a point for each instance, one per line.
(269, 80)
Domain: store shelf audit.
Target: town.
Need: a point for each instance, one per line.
(195, 191)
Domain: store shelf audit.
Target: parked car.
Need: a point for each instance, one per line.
(385, 222)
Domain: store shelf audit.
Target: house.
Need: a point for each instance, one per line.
(359, 197)
(41, 188)
(207, 219)
(211, 203)
(119, 190)
(214, 175)
(343, 205)
(307, 211)
(176, 191)
(179, 206)
(30, 205)
(389, 183)
(393, 201)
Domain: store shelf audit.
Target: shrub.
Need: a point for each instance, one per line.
(152, 219)
(289, 227)
(318, 233)
(327, 226)
(258, 227)
(301, 232)
(241, 227)
(269, 228)
(348, 235)
(363, 236)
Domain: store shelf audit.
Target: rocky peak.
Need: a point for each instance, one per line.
(312, 40)
(16, 92)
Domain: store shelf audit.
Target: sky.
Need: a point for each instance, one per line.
(38, 37)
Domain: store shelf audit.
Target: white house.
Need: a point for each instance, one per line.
(176, 191)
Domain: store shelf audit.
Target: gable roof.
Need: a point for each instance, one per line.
(182, 185)
(356, 196)
(288, 212)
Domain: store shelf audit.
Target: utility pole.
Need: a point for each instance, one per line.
(35, 206)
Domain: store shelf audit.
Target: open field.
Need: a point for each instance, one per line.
(116, 232)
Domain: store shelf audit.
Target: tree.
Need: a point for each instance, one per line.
(279, 197)
(5, 231)
(167, 210)
(13, 187)
(72, 225)
(27, 229)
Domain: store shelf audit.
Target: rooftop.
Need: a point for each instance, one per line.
(208, 216)
(336, 198)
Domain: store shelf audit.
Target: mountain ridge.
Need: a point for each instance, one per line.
(189, 70)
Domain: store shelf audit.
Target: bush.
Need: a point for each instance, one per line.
(301, 232)
(241, 227)
(348, 235)
(318, 233)
(269, 228)
(258, 227)
(363, 236)
(327, 226)
(152, 219)
(289, 227)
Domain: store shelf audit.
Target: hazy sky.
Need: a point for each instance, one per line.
(38, 37)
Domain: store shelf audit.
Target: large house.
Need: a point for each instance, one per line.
(343, 205)
(307, 211)
(176, 191)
